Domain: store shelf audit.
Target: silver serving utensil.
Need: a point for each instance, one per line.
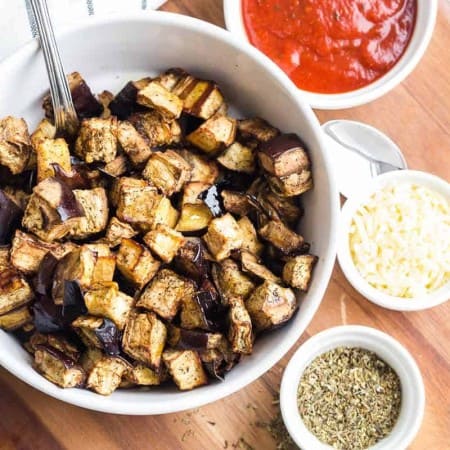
(66, 120)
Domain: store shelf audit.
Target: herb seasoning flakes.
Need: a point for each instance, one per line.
(349, 398)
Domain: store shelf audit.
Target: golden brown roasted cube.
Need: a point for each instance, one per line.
(191, 316)
(250, 239)
(124, 184)
(14, 291)
(186, 368)
(202, 170)
(85, 327)
(252, 265)
(105, 299)
(144, 338)
(194, 217)
(216, 133)
(15, 144)
(167, 171)
(164, 241)
(156, 96)
(270, 305)
(117, 167)
(164, 214)
(257, 128)
(97, 140)
(89, 358)
(117, 230)
(201, 98)
(281, 236)
(133, 143)
(4, 258)
(239, 158)
(15, 319)
(240, 332)
(144, 376)
(236, 202)
(58, 367)
(291, 185)
(297, 272)
(45, 130)
(52, 151)
(223, 236)
(105, 98)
(136, 263)
(286, 207)
(165, 293)
(178, 337)
(106, 374)
(55, 341)
(191, 192)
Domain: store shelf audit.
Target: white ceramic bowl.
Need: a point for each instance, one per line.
(345, 259)
(426, 18)
(111, 51)
(389, 350)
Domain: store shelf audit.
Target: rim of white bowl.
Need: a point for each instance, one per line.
(423, 31)
(434, 298)
(389, 350)
(110, 404)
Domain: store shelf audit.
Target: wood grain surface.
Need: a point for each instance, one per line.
(417, 116)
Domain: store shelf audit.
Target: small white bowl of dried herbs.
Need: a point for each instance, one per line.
(352, 387)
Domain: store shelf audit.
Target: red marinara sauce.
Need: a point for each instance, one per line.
(331, 46)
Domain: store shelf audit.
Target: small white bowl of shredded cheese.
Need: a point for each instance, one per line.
(394, 245)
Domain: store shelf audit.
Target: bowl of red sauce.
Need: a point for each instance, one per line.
(339, 53)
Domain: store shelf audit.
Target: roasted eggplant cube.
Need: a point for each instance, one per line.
(186, 368)
(118, 230)
(167, 171)
(14, 291)
(251, 264)
(105, 299)
(286, 207)
(271, 305)
(297, 272)
(240, 332)
(192, 339)
(106, 374)
(57, 367)
(223, 236)
(15, 319)
(239, 158)
(291, 185)
(85, 327)
(117, 167)
(89, 358)
(257, 128)
(165, 293)
(281, 237)
(124, 103)
(123, 185)
(202, 170)
(97, 140)
(163, 214)
(144, 338)
(236, 202)
(164, 242)
(215, 134)
(250, 241)
(191, 259)
(15, 144)
(4, 257)
(49, 152)
(105, 98)
(133, 143)
(144, 376)
(156, 96)
(45, 130)
(136, 263)
(193, 217)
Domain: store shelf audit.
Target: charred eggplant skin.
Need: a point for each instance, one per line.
(10, 215)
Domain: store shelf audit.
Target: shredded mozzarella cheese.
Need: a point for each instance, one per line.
(400, 240)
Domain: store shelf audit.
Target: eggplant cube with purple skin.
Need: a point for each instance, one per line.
(133, 143)
(14, 291)
(144, 338)
(280, 236)
(223, 236)
(258, 129)
(292, 185)
(186, 368)
(271, 305)
(49, 152)
(240, 332)
(297, 272)
(106, 374)
(251, 264)
(164, 242)
(15, 319)
(165, 294)
(156, 96)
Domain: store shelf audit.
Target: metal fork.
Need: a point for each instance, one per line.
(66, 120)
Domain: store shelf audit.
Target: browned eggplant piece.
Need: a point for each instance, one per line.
(164, 213)
(191, 260)
(251, 264)
(57, 367)
(165, 293)
(124, 103)
(73, 301)
(292, 185)
(123, 185)
(223, 236)
(136, 263)
(144, 338)
(193, 340)
(193, 218)
(240, 334)
(105, 98)
(58, 341)
(144, 376)
(164, 242)
(281, 237)
(50, 152)
(155, 96)
(192, 191)
(106, 374)
(18, 196)
(118, 230)
(10, 215)
(230, 281)
(133, 143)
(43, 280)
(105, 299)
(202, 170)
(14, 291)
(116, 168)
(84, 101)
(186, 368)
(47, 316)
(286, 207)
(298, 271)
(15, 144)
(4, 257)
(238, 157)
(236, 202)
(218, 362)
(45, 130)
(81, 176)
(89, 358)
(258, 129)
(271, 305)
(97, 140)
(15, 319)
(171, 77)
(167, 171)
(250, 240)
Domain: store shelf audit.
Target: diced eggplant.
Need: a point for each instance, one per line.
(136, 263)
(124, 103)
(286, 207)
(156, 96)
(165, 293)
(81, 176)
(106, 374)
(202, 170)
(291, 185)
(43, 280)
(192, 191)
(298, 271)
(45, 130)
(223, 236)
(18, 196)
(193, 217)
(144, 338)
(186, 368)
(15, 319)
(10, 215)
(236, 202)
(258, 129)
(271, 305)
(240, 332)
(89, 358)
(164, 214)
(4, 257)
(47, 316)
(171, 77)
(133, 143)
(50, 152)
(14, 291)
(15, 144)
(123, 185)
(250, 240)
(117, 167)
(281, 237)
(193, 340)
(191, 260)
(252, 265)
(239, 158)
(144, 376)
(118, 230)
(73, 301)
(65, 344)
(105, 98)
(164, 242)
